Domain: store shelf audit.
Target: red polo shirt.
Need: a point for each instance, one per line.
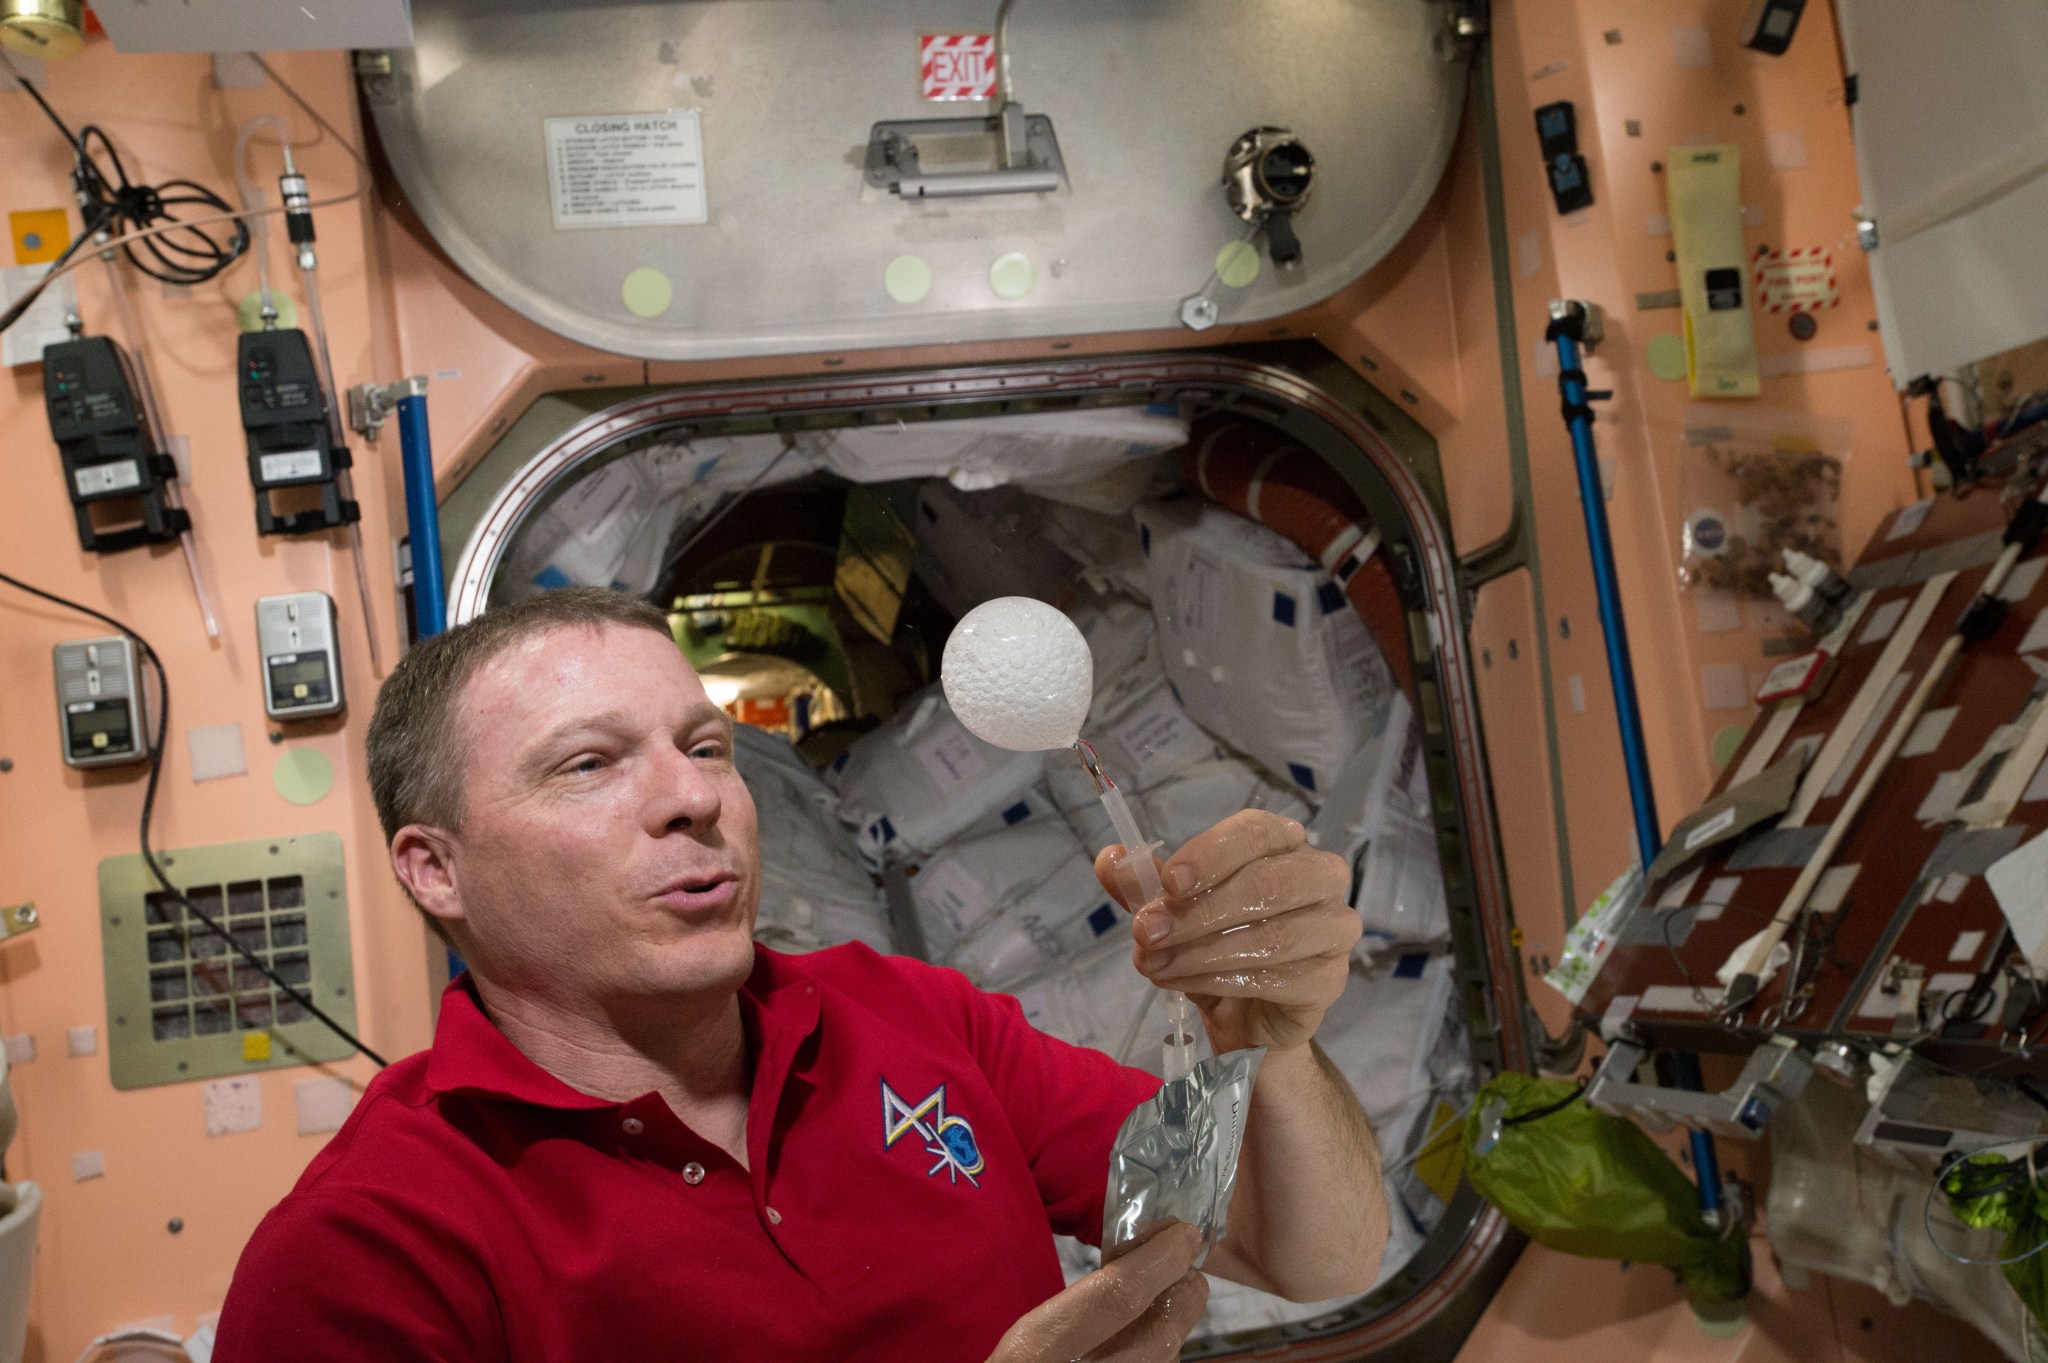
(912, 1144)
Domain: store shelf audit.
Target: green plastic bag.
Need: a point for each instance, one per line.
(1577, 1180)
(1990, 1192)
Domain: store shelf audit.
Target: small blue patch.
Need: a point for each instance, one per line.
(1305, 777)
(1163, 408)
(1175, 691)
(839, 762)
(929, 514)
(1145, 539)
(1102, 920)
(1411, 966)
(1017, 813)
(32, 241)
(959, 1143)
(885, 828)
(1330, 597)
(1283, 609)
(704, 469)
(551, 577)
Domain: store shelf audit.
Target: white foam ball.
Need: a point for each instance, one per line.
(1018, 674)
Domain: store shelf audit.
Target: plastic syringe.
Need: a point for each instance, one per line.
(1178, 1046)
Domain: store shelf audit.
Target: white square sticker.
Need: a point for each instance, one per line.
(957, 65)
(627, 170)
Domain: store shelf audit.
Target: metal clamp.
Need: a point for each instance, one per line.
(370, 403)
(16, 919)
(1776, 1073)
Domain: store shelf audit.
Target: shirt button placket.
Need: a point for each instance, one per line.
(693, 1173)
(632, 1126)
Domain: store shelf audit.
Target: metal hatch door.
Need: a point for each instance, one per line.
(783, 246)
(1304, 399)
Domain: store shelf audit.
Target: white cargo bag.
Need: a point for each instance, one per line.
(1261, 646)
(1046, 449)
(1401, 894)
(1207, 792)
(613, 526)
(975, 546)
(966, 883)
(921, 779)
(1105, 547)
(814, 890)
(1061, 920)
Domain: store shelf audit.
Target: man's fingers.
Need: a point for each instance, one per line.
(1212, 856)
(1320, 930)
(1108, 1301)
(1109, 870)
(1300, 984)
(1157, 1336)
(1268, 887)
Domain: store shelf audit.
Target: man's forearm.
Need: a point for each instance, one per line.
(1309, 1217)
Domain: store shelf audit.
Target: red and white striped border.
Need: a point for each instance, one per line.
(937, 48)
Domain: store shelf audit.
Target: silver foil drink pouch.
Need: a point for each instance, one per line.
(1176, 1157)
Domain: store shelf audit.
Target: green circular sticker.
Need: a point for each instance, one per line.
(646, 292)
(303, 775)
(1666, 355)
(1012, 276)
(1727, 743)
(1237, 264)
(249, 312)
(908, 279)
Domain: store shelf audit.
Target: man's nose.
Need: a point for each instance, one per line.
(680, 795)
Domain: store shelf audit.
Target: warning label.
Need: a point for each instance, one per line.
(958, 65)
(1799, 280)
(627, 170)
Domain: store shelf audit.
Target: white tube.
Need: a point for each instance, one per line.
(1178, 1046)
(252, 201)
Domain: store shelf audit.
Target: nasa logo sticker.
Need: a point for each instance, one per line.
(1706, 533)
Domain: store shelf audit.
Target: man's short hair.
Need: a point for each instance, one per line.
(417, 739)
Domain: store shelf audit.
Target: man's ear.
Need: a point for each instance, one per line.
(423, 859)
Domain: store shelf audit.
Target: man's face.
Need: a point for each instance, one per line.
(608, 846)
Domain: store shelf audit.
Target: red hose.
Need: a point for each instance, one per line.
(1264, 476)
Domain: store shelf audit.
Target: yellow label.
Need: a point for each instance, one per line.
(1443, 1158)
(1704, 188)
(39, 234)
(255, 1047)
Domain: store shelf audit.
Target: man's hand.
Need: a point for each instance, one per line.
(1139, 1309)
(1253, 927)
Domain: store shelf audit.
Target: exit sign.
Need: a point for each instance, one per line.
(958, 65)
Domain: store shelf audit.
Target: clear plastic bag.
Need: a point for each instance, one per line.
(1751, 484)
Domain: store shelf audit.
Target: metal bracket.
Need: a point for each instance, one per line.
(16, 919)
(1776, 1073)
(894, 161)
(370, 403)
(1582, 321)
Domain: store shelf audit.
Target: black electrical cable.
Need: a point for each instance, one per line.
(109, 200)
(156, 764)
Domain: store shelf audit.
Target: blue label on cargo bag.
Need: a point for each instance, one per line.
(1305, 777)
(1283, 609)
(1102, 919)
(1330, 597)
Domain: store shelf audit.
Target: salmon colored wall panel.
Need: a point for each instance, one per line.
(1511, 713)
(107, 1255)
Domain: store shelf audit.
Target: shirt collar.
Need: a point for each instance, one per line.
(778, 1003)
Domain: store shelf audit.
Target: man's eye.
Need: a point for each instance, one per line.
(588, 763)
